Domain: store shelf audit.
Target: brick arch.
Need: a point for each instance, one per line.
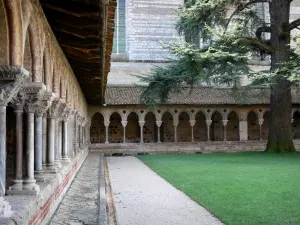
(97, 129)
(13, 11)
(167, 127)
(253, 125)
(133, 128)
(150, 129)
(184, 127)
(200, 128)
(216, 127)
(232, 127)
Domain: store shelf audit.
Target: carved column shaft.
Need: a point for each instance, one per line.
(124, 124)
(158, 124)
(106, 124)
(44, 140)
(141, 123)
(208, 123)
(2, 149)
(225, 129)
(38, 162)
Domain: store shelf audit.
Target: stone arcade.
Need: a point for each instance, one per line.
(56, 102)
(47, 81)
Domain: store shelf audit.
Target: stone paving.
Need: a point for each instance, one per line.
(143, 198)
(80, 204)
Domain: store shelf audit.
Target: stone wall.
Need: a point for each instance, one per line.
(148, 23)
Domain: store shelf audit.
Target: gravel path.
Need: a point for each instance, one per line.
(80, 204)
(143, 198)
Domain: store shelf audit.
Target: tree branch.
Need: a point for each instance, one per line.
(241, 8)
(254, 43)
(294, 24)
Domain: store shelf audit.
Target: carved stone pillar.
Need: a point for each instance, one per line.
(66, 117)
(175, 123)
(34, 92)
(53, 112)
(106, 124)
(44, 104)
(260, 122)
(158, 124)
(124, 124)
(11, 79)
(58, 134)
(208, 123)
(192, 123)
(224, 129)
(18, 104)
(44, 159)
(141, 123)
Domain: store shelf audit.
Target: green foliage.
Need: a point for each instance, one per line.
(238, 188)
(231, 33)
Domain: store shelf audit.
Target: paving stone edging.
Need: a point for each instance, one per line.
(39, 209)
(102, 194)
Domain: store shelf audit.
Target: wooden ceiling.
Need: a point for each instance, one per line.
(84, 30)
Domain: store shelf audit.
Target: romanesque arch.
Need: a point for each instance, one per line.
(97, 130)
(200, 128)
(133, 128)
(150, 130)
(232, 127)
(167, 128)
(115, 130)
(265, 126)
(253, 126)
(216, 127)
(184, 128)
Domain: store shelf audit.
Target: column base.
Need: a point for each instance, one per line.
(106, 142)
(158, 142)
(66, 159)
(50, 169)
(18, 185)
(30, 187)
(58, 163)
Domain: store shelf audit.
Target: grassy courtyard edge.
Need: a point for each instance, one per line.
(238, 188)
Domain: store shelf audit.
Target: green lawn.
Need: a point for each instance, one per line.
(238, 188)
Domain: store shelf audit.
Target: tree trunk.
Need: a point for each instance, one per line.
(280, 127)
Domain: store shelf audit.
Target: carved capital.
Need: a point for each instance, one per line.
(124, 123)
(225, 122)
(11, 80)
(18, 102)
(106, 123)
(260, 122)
(34, 93)
(45, 103)
(208, 122)
(141, 123)
(175, 123)
(192, 123)
(67, 113)
(54, 109)
(158, 123)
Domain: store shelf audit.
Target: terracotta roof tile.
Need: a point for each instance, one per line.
(130, 95)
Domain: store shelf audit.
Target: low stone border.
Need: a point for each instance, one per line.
(36, 210)
(181, 147)
(102, 194)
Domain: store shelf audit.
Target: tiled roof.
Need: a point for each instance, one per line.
(130, 95)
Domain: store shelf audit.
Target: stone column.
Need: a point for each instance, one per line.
(65, 141)
(13, 77)
(225, 130)
(175, 123)
(260, 121)
(18, 105)
(243, 130)
(34, 92)
(208, 123)
(158, 124)
(124, 124)
(106, 124)
(142, 123)
(44, 161)
(53, 112)
(192, 123)
(38, 144)
(2, 149)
